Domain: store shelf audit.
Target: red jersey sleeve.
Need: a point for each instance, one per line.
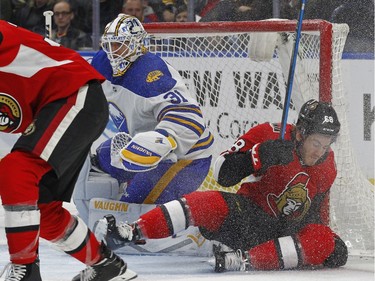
(35, 71)
(261, 133)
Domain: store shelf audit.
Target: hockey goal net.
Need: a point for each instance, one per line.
(238, 71)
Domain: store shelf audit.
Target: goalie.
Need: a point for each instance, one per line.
(279, 217)
(162, 140)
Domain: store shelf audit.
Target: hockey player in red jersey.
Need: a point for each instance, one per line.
(278, 219)
(54, 98)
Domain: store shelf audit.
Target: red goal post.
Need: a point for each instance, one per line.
(238, 89)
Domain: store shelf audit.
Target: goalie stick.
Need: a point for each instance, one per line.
(292, 68)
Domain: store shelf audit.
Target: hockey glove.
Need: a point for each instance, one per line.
(270, 153)
(146, 150)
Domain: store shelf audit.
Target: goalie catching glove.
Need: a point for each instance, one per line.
(145, 151)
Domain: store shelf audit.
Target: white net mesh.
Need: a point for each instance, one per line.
(237, 93)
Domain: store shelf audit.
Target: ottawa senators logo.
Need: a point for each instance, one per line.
(294, 202)
(10, 114)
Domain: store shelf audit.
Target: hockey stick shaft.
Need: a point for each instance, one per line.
(48, 23)
(292, 68)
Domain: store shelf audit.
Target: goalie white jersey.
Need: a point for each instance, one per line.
(151, 95)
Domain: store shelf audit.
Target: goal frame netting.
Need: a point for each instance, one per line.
(351, 198)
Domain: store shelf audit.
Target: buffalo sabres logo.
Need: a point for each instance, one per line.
(10, 114)
(294, 202)
(154, 76)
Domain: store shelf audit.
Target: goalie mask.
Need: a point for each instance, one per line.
(122, 41)
(318, 117)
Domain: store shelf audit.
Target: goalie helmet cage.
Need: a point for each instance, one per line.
(237, 71)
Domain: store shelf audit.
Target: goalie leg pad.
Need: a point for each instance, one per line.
(125, 212)
(97, 185)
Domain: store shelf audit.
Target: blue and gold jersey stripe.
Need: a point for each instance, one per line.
(202, 144)
(191, 124)
(180, 109)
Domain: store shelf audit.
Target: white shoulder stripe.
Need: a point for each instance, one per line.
(22, 65)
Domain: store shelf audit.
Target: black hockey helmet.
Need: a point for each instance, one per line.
(318, 117)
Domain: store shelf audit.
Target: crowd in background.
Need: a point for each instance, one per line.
(72, 21)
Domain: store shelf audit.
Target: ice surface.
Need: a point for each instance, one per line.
(58, 266)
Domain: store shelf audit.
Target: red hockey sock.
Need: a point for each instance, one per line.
(312, 245)
(208, 209)
(264, 256)
(154, 225)
(90, 253)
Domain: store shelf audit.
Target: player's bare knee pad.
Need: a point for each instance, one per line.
(339, 255)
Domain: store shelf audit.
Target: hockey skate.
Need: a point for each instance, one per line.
(111, 268)
(115, 236)
(22, 272)
(229, 261)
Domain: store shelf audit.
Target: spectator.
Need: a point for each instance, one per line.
(6, 10)
(359, 15)
(65, 33)
(82, 14)
(239, 10)
(31, 15)
(202, 7)
(140, 10)
(289, 9)
(149, 13)
(168, 13)
(109, 9)
(278, 219)
(182, 13)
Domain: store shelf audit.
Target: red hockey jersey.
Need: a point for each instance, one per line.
(288, 191)
(35, 71)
